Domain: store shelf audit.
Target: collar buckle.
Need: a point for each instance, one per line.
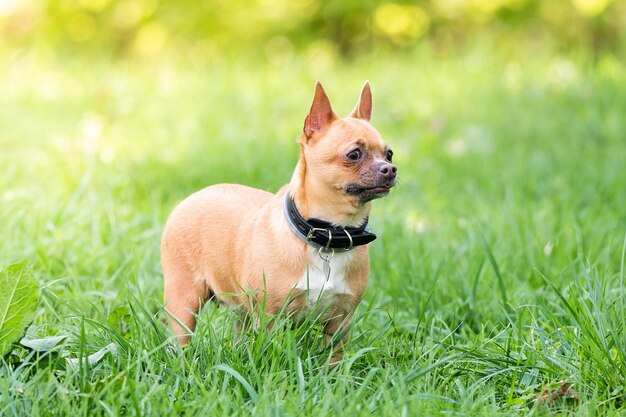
(312, 231)
(311, 235)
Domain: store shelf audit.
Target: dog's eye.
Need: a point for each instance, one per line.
(389, 155)
(355, 155)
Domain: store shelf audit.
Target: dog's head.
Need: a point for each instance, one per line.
(346, 157)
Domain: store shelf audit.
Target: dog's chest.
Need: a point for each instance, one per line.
(320, 288)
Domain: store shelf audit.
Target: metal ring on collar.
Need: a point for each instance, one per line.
(330, 239)
(326, 254)
(349, 237)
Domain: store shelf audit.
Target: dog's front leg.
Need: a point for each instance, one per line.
(337, 330)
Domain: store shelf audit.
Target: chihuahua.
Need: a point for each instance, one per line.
(304, 248)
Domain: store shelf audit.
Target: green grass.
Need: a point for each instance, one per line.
(498, 273)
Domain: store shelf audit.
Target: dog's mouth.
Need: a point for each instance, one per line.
(367, 192)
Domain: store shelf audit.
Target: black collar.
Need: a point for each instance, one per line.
(322, 234)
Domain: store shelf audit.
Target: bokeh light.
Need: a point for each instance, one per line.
(146, 28)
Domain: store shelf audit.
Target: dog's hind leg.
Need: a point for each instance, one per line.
(184, 297)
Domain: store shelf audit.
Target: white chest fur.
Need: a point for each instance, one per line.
(320, 288)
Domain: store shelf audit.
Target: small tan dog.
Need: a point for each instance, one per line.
(305, 245)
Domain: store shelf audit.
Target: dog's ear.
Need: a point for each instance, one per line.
(321, 114)
(363, 108)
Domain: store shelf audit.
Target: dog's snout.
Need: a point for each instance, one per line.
(388, 170)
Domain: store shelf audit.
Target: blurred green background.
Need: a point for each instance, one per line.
(507, 122)
(278, 30)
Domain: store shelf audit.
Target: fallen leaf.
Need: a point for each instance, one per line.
(562, 393)
(43, 345)
(94, 358)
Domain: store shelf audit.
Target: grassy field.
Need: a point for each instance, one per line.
(497, 280)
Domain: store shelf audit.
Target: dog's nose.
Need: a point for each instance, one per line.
(388, 170)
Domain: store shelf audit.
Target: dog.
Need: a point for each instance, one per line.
(304, 248)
